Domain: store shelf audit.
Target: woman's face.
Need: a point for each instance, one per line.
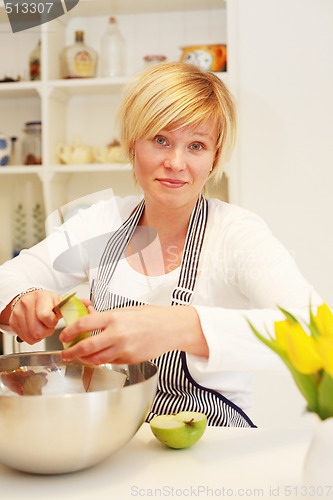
(173, 166)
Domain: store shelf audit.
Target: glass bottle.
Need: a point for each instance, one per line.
(14, 152)
(34, 63)
(112, 51)
(32, 144)
(78, 60)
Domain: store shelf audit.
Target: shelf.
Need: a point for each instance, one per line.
(20, 89)
(21, 169)
(97, 86)
(56, 169)
(90, 168)
(86, 8)
(84, 86)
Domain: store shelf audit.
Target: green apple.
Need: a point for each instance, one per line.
(180, 430)
(71, 311)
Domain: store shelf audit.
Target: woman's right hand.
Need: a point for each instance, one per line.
(32, 318)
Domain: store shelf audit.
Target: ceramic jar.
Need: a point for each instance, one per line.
(5, 148)
(75, 153)
(108, 154)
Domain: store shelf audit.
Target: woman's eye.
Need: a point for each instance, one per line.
(160, 140)
(196, 146)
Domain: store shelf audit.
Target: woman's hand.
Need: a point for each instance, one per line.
(135, 334)
(32, 318)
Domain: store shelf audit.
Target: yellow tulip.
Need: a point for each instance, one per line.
(299, 346)
(282, 332)
(324, 320)
(325, 349)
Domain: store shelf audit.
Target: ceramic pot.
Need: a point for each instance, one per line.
(75, 153)
(317, 468)
(108, 154)
(5, 148)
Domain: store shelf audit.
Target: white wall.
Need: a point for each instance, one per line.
(285, 150)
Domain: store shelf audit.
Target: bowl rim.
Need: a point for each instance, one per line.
(74, 363)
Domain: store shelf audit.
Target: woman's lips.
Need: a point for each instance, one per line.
(171, 183)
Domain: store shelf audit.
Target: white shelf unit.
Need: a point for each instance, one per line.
(87, 107)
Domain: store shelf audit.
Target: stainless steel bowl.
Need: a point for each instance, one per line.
(58, 417)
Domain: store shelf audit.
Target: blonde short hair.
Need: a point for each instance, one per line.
(173, 95)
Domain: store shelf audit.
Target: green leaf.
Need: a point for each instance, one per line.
(325, 397)
(308, 387)
(272, 344)
(289, 316)
(314, 329)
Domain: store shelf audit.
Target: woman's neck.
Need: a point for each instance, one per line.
(159, 239)
(169, 223)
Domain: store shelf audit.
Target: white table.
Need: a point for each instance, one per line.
(252, 463)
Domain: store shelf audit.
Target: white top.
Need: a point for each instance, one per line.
(244, 272)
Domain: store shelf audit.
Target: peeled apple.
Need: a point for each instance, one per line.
(71, 311)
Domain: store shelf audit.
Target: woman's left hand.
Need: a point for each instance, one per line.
(135, 334)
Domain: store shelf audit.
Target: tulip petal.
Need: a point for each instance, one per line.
(324, 320)
(302, 350)
(282, 329)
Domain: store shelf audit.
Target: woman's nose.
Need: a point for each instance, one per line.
(175, 160)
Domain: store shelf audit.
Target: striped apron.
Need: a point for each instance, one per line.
(177, 390)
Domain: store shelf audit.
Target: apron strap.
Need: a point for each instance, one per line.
(113, 252)
(183, 293)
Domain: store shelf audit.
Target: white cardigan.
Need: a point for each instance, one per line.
(244, 272)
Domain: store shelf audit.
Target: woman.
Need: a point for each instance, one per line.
(219, 264)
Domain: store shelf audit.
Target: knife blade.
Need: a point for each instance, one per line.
(63, 302)
(55, 310)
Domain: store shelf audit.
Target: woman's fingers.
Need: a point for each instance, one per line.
(129, 335)
(135, 334)
(90, 347)
(44, 312)
(32, 317)
(88, 323)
